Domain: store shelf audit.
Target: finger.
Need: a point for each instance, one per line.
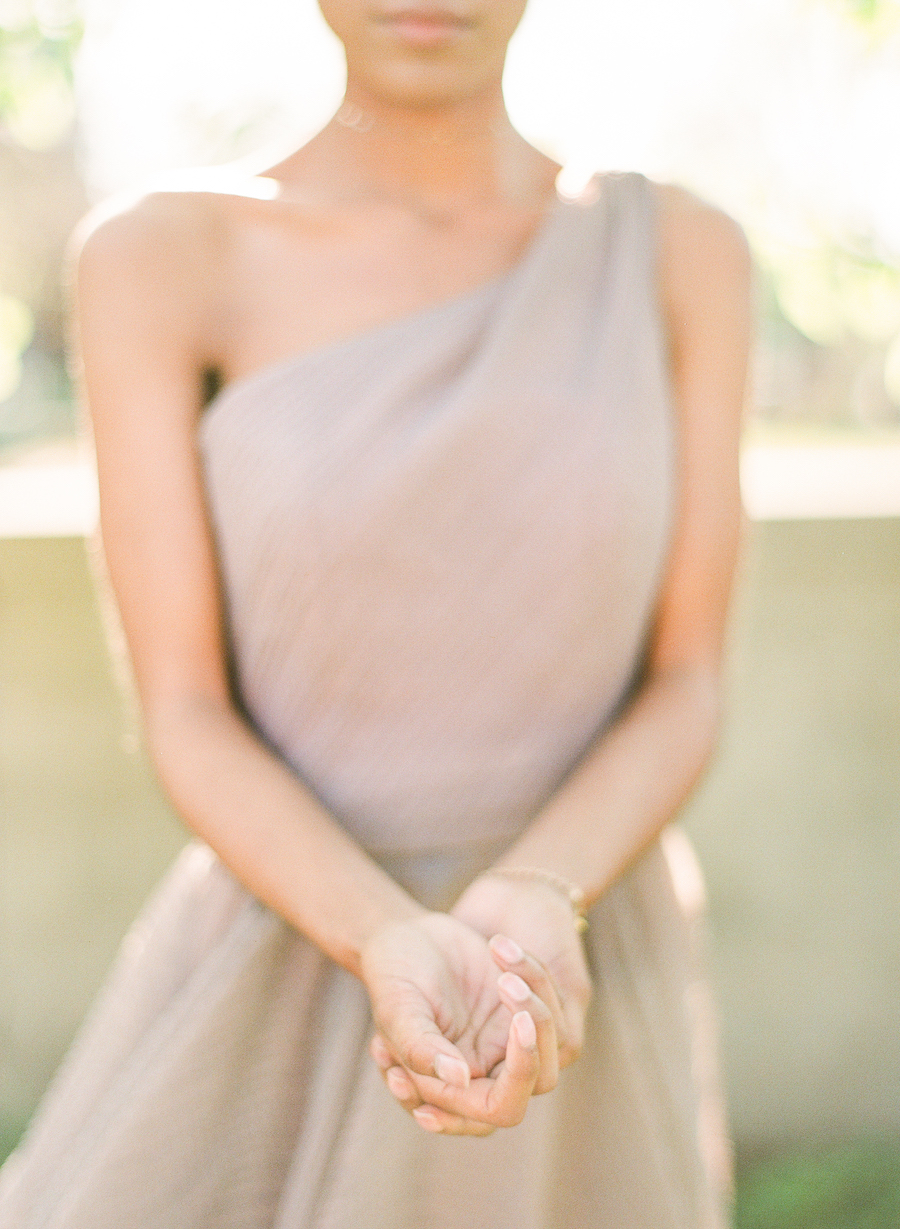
(575, 1008)
(500, 1099)
(510, 957)
(440, 1122)
(508, 1098)
(568, 1009)
(399, 1082)
(518, 997)
(402, 1088)
(378, 1049)
(571, 1048)
(418, 1045)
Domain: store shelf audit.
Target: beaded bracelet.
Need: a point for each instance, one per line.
(573, 894)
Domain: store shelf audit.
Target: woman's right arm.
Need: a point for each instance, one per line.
(148, 322)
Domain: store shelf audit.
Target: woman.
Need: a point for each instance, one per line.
(425, 610)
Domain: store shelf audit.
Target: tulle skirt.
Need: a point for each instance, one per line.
(222, 1081)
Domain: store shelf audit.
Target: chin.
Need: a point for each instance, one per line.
(426, 86)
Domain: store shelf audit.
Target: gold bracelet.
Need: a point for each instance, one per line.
(573, 894)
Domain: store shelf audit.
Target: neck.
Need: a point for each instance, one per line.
(460, 154)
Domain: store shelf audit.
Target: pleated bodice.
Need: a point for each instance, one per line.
(441, 539)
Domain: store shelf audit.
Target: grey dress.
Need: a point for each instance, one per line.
(441, 543)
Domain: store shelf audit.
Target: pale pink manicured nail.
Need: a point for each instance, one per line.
(514, 987)
(425, 1118)
(399, 1083)
(507, 949)
(525, 1030)
(452, 1071)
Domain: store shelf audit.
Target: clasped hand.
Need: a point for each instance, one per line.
(479, 1008)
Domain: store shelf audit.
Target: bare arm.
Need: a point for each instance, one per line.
(148, 322)
(640, 773)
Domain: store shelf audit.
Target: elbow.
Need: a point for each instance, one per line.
(705, 687)
(179, 728)
(710, 698)
(696, 692)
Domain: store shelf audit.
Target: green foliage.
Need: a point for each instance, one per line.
(864, 10)
(853, 1188)
(844, 297)
(38, 39)
(10, 1134)
(16, 327)
(880, 19)
(833, 290)
(867, 12)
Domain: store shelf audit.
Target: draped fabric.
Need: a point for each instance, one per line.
(441, 542)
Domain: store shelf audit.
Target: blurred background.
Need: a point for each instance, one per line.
(787, 114)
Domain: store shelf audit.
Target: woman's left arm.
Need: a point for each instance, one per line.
(640, 772)
(624, 792)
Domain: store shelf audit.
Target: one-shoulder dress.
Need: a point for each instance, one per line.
(441, 542)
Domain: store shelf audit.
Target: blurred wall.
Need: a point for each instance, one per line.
(41, 199)
(796, 825)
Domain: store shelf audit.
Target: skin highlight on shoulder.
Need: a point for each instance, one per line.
(705, 271)
(153, 231)
(156, 266)
(699, 243)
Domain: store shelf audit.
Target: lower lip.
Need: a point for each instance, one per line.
(424, 31)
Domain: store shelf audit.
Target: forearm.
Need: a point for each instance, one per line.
(629, 786)
(270, 830)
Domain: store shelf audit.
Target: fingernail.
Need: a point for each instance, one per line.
(507, 949)
(425, 1118)
(514, 987)
(399, 1083)
(452, 1071)
(525, 1030)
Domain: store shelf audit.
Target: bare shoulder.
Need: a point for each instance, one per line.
(705, 291)
(150, 280)
(707, 304)
(691, 230)
(704, 256)
(159, 245)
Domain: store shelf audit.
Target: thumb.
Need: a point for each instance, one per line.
(422, 1048)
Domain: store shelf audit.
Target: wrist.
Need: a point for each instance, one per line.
(565, 888)
(512, 889)
(495, 904)
(381, 915)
